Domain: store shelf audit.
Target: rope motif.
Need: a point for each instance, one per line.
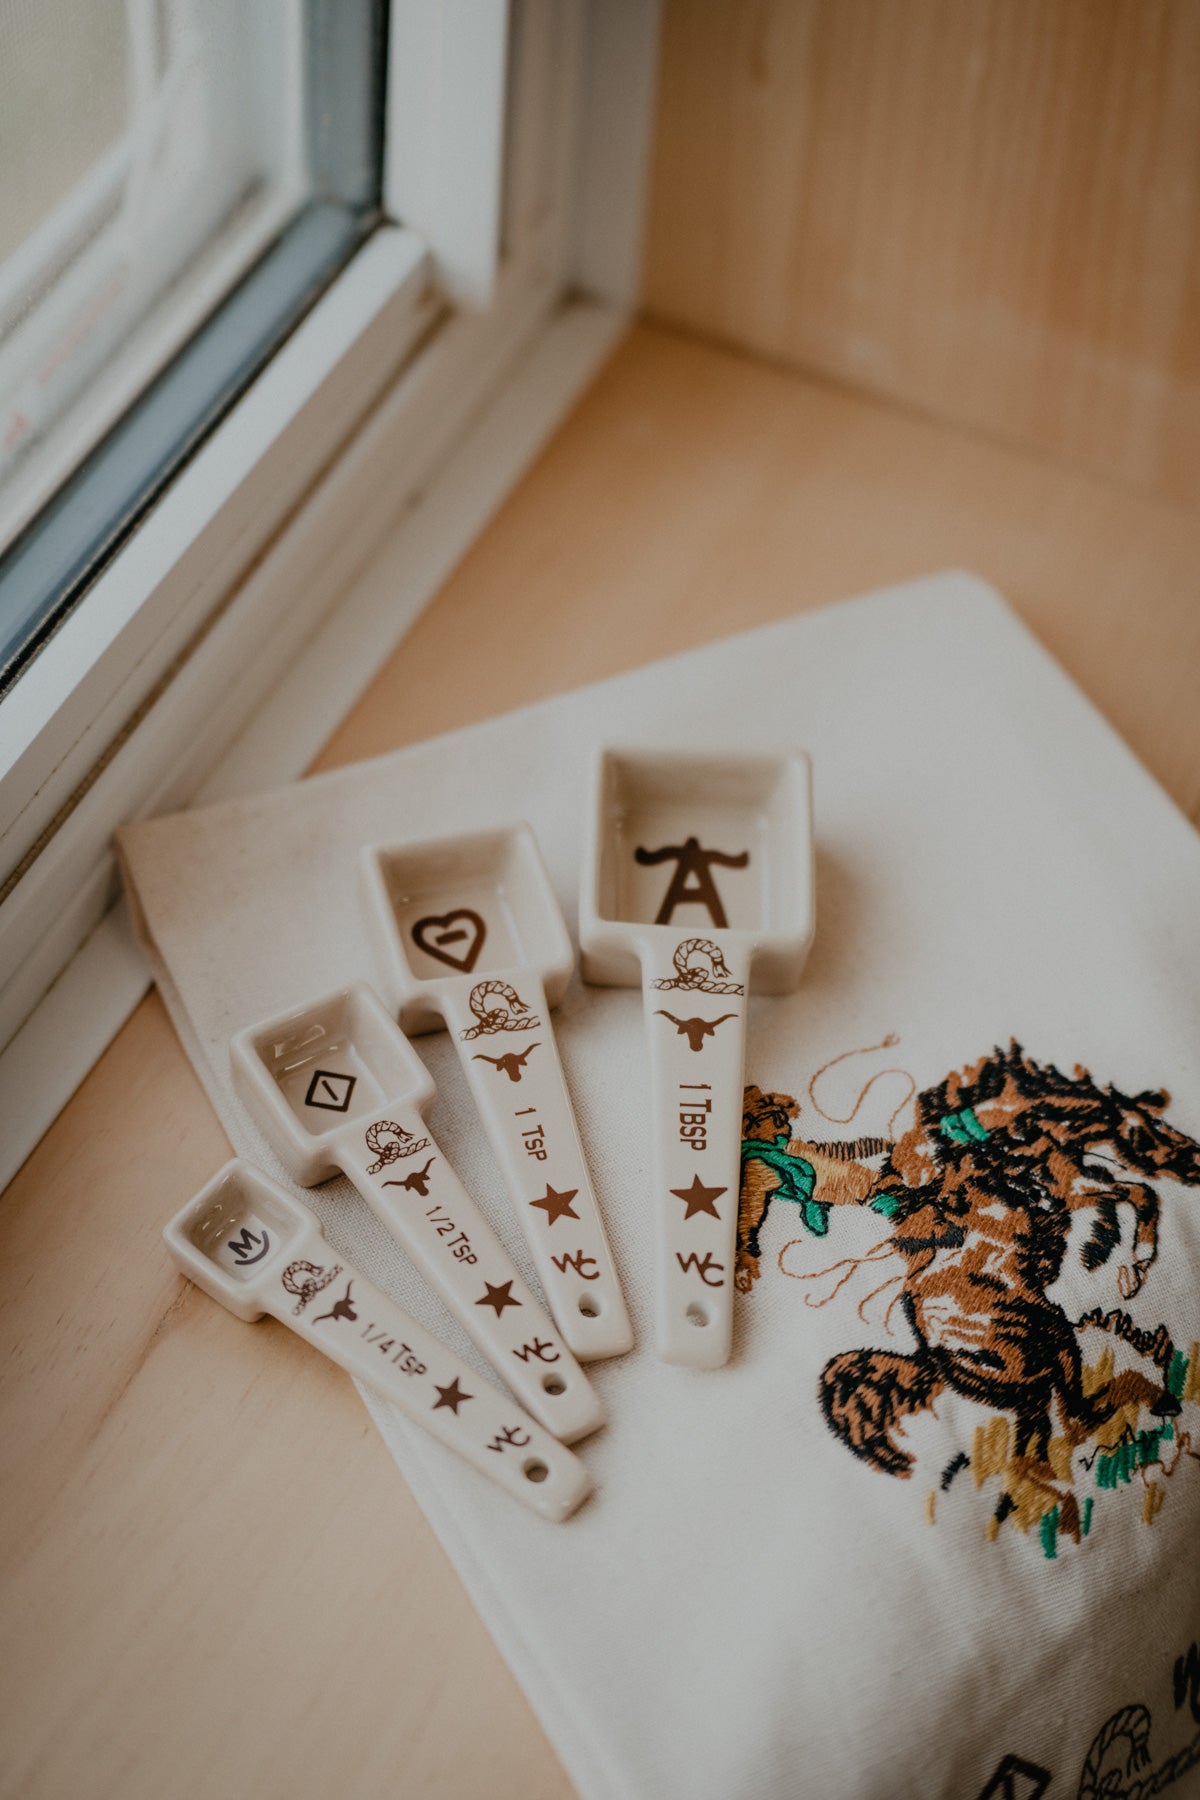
(1132, 1724)
(514, 1015)
(403, 1144)
(709, 976)
(305, 1280)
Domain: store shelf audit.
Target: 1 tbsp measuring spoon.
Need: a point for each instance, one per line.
(697, 884)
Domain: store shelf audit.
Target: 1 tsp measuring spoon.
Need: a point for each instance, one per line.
(468, 933)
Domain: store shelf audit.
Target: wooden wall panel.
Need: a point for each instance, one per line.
(986, 209)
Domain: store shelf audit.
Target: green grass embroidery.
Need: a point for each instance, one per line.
(1177, 1374)
(1121, 1463)
(1126, 1458)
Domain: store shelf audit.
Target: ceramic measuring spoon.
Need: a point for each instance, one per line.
(697, 883)
(250, 1245)
(469, 934)
(335, 1085)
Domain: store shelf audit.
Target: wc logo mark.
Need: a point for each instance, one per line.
(1016, 1779)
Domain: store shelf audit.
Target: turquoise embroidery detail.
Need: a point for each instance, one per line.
(887, 1204)
(797, 1179)
(963, 1127)
(1133, 1453)
(1177, 1374)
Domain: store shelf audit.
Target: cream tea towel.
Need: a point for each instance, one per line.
(935, 1530)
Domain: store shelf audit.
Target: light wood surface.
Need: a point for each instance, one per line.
(213, 1581)
(989, 211)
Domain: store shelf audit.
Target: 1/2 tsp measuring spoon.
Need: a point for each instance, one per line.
(335, 1085)
(253, 1247)
(697, 883)
(468, 932)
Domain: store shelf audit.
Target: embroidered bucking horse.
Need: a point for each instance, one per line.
(979, 1195)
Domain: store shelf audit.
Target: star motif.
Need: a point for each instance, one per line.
(556, 1205)
(498, 1297)
(698, 1198)
(451, 1396)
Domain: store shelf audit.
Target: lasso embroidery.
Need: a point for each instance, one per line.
(305, 1280)
(405, 1144)
(707, 977)
(888, 1043)
(1132, 1779)
(514, 1015)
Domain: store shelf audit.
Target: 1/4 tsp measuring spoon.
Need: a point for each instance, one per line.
(250, 1245)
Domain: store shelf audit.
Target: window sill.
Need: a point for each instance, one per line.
(539, 368)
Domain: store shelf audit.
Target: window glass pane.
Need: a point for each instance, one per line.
(62, 103)
(153, 150)
(154, 154)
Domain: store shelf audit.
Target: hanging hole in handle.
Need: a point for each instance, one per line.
(589, 1307)
(697, 1314)
(554, 1384)
(535, 1471)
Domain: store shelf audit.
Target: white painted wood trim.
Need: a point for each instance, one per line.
(243, 648)
(619, 63)
(422, 471)
(72, 1024)
(141, 612)
(443, 164)
(421, 552)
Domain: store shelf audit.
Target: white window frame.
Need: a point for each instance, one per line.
(207, 657)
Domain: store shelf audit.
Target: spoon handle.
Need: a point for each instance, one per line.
(254, 1248)
(696, 1035)
(407, 1181)
(517, 1079)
